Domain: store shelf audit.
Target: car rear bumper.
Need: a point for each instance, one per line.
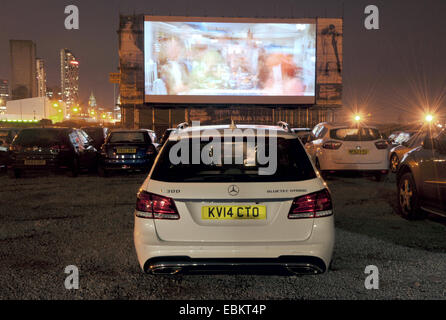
(209, 255)
(290, 264)
(336, 166)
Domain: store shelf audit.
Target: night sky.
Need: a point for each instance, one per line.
(391, 73)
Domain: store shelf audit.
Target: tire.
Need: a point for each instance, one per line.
(14, 173)
(394, 162)
(102, 172)
(74, 169)
(408, 201)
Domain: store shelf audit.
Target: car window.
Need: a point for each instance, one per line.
(355, 134)
(292, 164)
(74, 138)
(416, 140)
(40, 137)
(83, 137)
(127, 137)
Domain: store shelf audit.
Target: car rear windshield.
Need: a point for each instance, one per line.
(292, 163)
(97, 134)
(355, 134)
(127, 137)
(41, 137)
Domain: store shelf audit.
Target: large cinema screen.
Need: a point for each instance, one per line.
(229, 60)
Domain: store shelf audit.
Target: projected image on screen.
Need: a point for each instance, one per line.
(224, 59)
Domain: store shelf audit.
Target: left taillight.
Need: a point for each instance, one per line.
(314, 205)
(381, 144)
(153, 206)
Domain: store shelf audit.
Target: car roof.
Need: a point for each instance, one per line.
(207, 130)
(334, 125)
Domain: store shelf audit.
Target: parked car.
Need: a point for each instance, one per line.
(403, 137)
(396, 153)
(127, 150)
(97, 134)
(196, 216)
(51, 149)
(337, 147)
(6, 137)
(165, 137)
(421, 178)
(303, 133)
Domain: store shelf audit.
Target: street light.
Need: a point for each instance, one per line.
(429, 118)
(357, 118)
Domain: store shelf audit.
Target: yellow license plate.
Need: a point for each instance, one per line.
(233, 212)
(35, 162)
(359, 151)
(126, 150)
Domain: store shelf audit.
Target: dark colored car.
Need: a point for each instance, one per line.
(97, 135)
(52, 149)
(127, 150)
(421, 178)
(6, 137)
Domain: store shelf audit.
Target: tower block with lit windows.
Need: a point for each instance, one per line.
(69, 76)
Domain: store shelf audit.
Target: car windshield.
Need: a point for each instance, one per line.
(97, 134)
(355, 134)
(239, 166)
(40, 137)
(126, 137)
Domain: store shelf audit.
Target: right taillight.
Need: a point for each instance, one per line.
(333, 145)
(314, 205)
(153, 206)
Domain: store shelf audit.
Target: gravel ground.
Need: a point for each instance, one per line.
(49, 222)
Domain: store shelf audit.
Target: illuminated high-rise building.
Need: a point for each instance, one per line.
(69, 76)
(4, 94)
(41, 78)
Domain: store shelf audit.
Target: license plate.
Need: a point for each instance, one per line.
(126, 150)
(359, 151)
(233, 212)
(35, 162)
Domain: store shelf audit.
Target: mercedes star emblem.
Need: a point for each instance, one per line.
(233, 190)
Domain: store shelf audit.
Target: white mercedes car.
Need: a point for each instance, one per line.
(340, 147)
(226, 214)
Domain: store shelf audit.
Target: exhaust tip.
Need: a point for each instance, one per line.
(164, 270)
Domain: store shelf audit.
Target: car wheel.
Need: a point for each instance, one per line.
(14, 173)
(74, 169)
(408, 201)
(394, 162)
(102, 172)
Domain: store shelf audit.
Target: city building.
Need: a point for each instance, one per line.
(92, 101)
(69, 76)
(4, 94)
(41, 78)
(23, 69)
